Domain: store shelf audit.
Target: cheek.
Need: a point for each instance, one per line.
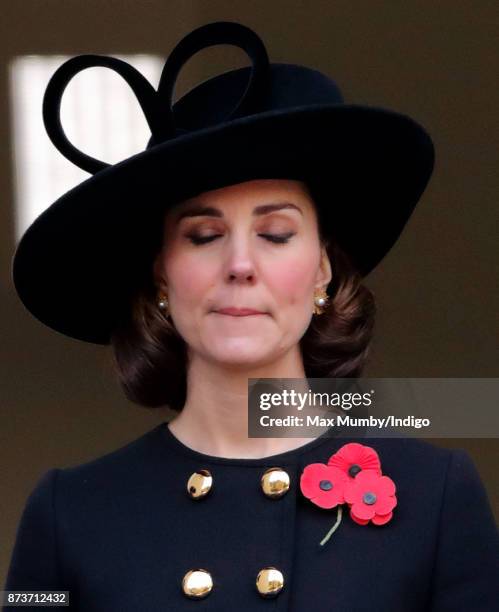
(293, 280)
(189, 277)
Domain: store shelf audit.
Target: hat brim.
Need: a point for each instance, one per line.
(78, 263)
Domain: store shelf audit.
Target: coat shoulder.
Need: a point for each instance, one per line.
(128, 461)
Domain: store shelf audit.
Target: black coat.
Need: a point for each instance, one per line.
(120, 532)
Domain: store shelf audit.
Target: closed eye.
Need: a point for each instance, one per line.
(275, 238)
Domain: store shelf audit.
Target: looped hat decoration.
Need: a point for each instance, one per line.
(79, 263)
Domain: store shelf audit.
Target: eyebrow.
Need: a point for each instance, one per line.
(211, 211)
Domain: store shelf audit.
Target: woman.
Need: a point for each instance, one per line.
(279, 208)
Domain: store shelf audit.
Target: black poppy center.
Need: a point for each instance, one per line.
(369, 498)
(325, 485)
(354, 469)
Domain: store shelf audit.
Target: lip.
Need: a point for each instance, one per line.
(239, 312)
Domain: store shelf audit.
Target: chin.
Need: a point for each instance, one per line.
(238, 351)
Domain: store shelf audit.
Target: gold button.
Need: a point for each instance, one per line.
(197, 583)
(199, 484)
(269, 582)
(275, 482)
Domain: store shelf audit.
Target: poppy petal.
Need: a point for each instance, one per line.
(354, 453)
(385, 505)
(388, 485)
(310, 478)
(381, 519)
(359, 521)
(327, 499)
(362, 511)
(352, 494)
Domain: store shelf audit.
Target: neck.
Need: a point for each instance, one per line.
(214, 419)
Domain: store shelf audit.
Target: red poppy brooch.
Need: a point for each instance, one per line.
(351, 476)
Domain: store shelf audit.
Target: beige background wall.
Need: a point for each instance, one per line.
(437, 289)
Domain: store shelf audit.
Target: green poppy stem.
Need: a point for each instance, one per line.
(334, 527)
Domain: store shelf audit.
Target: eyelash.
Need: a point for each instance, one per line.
(276, 239)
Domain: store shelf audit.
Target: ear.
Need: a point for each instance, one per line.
(324, 274)
(159, 280)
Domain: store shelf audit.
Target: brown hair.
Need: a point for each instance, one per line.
(150, 356)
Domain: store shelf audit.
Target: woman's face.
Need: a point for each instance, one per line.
(253, 245)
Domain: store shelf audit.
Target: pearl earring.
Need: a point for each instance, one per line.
(321, 301)
(163, 303)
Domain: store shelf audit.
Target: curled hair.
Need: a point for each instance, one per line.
(337, 342)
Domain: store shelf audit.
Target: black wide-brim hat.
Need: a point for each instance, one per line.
(78, 264)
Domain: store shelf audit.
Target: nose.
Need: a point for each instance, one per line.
(239, 263)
